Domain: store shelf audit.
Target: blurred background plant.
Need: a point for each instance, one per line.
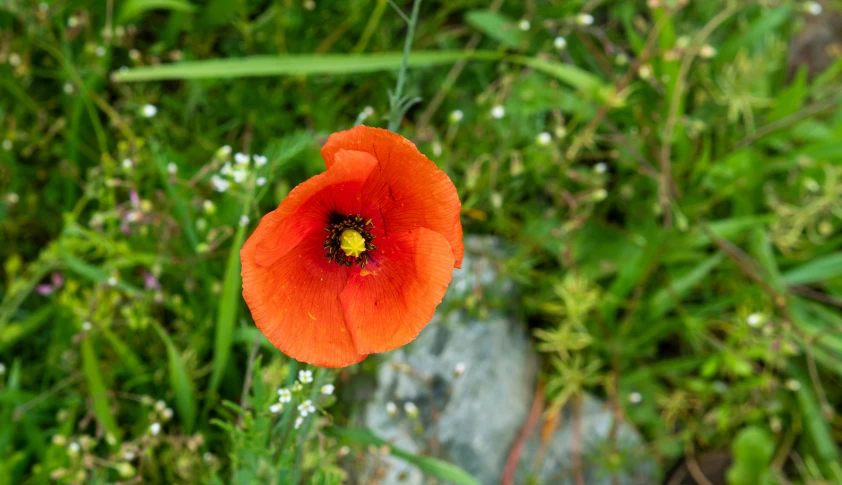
(666, 172)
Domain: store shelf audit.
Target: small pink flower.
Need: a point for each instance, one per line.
(44, 289)
(134, 198)
(57, 279)
(150, 281)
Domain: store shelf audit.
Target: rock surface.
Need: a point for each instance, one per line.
(472, 381)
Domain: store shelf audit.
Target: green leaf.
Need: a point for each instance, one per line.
(753, 450)
(257, 66)
(135, 8)
(180, 205)
(180, 383)
(767, 22)
(578, 78)
(816, 270)
(96, 388)
(667, 298)
(818, 428)
(432, 466)
(497, 26)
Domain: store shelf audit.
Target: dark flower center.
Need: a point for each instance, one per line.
(349, 240)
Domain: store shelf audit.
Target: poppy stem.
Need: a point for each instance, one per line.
(397, 105)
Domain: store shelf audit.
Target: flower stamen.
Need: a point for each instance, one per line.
(349, 240)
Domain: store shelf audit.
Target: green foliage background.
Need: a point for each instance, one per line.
(676, 227)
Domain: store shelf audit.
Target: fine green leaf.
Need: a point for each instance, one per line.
(497, 26)
(667, 298)
(816, 270)
(432, 466)
(96, 388)
(180, 382)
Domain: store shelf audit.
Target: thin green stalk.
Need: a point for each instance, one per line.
(397, 106)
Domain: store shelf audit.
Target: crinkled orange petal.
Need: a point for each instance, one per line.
(307, 207)
(410, 190)
(295, 302)
(387, 303)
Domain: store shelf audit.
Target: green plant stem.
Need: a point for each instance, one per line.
(395, 99)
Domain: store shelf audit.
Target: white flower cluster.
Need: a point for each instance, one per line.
(237, 172)
(306, 406)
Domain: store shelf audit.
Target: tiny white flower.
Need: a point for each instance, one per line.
(127, 163)
(306, 408)
(224, 151)
(276, 408)
(2, 368)
(544, 139)
(68, 88)
(241, 158)
(14, 59)
(755, 319)
(12, 198)
(437, 149)
(560, 43)
(209, 207)
(226, 169)
(456, 116)
(240, 176)
(498, 112)
(600, 194)
(305, 376)
(172, 168)
(260, 160)
(600, 167)
(208, 456)
(813, 8)
(112, 281)
(645, 71)
(793, 385)
(160, 406)
(707, 51)
(167, 414)
(149, 110)
(296, 386)
(459, 369)
(129, 455)
(99, 51)
(524, 25)
(284, 395)
(219, 183)
(391, 408)
(244, 220)
(327, 389)
(74, 447)
(261, 181)
(299, 421)
(7, 145)
(584, 19)
(635, 397)
(411, 409)
(73, 21)
(59, 440)
(155, 428)
(86, 326)
(368, 110)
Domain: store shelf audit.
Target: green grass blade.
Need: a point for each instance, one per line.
(667, 298)
(497, 26)
(229, 305)
(815, 271)
(432, 466)
(96, 388)
(257, 66)
(182, 387)
(179, 204)
(578, 78)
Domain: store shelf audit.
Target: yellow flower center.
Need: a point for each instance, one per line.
(352, 243)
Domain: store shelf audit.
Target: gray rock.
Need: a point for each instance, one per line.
(472, 419)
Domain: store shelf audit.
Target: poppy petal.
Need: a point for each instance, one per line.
(388, 302)
(307, 207)
(411, 191)
(295, 302)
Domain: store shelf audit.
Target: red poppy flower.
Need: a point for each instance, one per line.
(355, 260)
